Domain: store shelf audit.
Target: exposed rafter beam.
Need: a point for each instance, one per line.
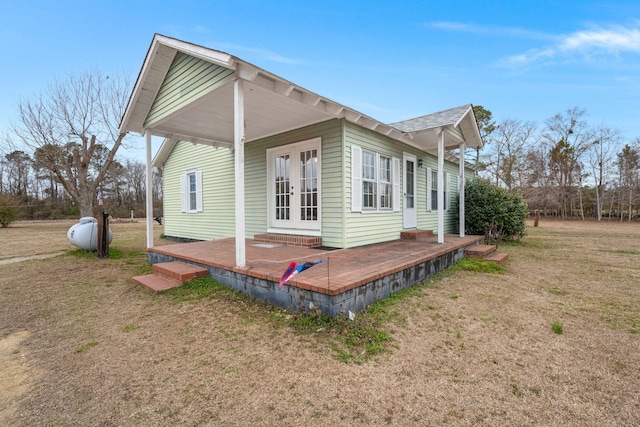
(247, 71)
(311, 99)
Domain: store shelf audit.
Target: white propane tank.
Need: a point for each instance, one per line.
(84, 234)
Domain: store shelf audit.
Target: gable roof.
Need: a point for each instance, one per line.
(204, 113)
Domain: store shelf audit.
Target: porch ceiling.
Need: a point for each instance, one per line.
(210, 119)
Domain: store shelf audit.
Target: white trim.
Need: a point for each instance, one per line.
(461, 182)
(295, 224)
(149, 191)
(441, 187)
(238, 158)
(410, 215)
(396, 183)
(356, 178)
(198, 191)
(185, 191)
(429, 189)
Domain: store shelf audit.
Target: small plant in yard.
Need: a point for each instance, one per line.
(86, 347)
(556, 327)
(477, 265)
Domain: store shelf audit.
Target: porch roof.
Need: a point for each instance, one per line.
(272, 105)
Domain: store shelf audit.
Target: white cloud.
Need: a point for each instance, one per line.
(613, 40)
(596, 41)
(593, 41)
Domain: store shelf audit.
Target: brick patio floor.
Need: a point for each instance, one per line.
(344, 270)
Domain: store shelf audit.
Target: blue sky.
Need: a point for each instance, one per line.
(523, 60)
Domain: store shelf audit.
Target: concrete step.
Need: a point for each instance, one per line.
(155, 283)
(179, 272)
(479, 251)
(415, 234)
(498, 258)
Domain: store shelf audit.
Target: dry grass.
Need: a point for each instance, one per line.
(80, 344)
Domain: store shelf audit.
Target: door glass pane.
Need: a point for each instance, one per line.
(309, 185)
(282, 171)
(410, 191)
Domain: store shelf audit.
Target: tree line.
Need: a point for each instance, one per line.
(565, 168)
(36, 193)
(58, 158)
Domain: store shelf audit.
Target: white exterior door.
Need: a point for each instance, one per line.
(294, 188)
(409, 212)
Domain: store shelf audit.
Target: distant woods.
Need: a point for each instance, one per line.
(36, 193)
(565, 167)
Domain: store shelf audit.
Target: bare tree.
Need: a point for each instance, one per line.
(629, 170)
(601, 160)
(569, 137)
(509, 145)
(68, 123)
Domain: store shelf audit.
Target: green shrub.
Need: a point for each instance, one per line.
(494, 212)
(8, 210)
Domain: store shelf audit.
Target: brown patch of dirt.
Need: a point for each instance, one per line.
(14, 374)
(469, 349)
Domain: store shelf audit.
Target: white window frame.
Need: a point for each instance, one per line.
(431, 192)
(185, 187)
(358, 180)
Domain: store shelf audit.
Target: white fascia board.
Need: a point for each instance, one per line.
(457, 123)
(163, 152)
(210, 55)
(137, 89)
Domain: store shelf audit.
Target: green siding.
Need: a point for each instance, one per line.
(188, 78)
(217, 219)
(375, 227)
(331, 157)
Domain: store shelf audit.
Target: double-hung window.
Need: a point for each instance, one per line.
(375, 181)
(191, 190)
(432, 189)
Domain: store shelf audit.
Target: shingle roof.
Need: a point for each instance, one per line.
(448, 117)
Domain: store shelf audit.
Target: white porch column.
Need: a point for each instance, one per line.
(441, 185)
(461, 188)
(238, 145)
(149, 191)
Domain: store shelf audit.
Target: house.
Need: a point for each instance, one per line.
(250, 155)
(247, 152)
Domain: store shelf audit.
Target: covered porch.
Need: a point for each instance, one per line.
(348, 280)
(187, 92)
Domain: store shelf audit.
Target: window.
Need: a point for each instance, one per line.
(432, 190)
(384, 183)
(191, 184)
(369, 194)
(375, 181)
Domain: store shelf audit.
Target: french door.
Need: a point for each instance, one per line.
(294, 188)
